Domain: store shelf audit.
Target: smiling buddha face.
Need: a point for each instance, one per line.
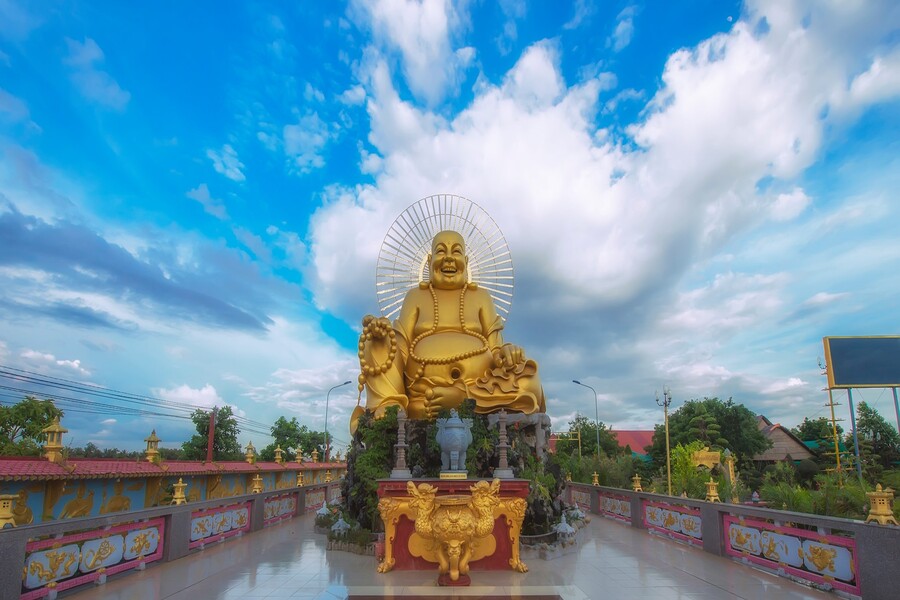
(448, 261)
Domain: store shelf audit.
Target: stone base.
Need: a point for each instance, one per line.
(401, 474)
(463, 581)
(504, 474)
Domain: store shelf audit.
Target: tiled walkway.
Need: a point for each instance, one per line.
(613, 562)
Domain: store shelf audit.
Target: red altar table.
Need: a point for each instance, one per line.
(399, 522)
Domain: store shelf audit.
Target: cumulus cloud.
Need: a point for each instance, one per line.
(95, 84)
(610, 231)
(211, 205)
(226, 163)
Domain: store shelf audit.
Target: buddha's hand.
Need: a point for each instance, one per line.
(442, 397)
(508, 355)
(376, 327)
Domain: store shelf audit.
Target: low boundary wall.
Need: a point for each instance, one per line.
(44, 559)
(845, 555)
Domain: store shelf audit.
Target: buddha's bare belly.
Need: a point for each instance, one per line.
(443, 353)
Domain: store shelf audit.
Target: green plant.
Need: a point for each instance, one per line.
(369, 459)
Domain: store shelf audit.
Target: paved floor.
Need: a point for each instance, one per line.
(288, 560)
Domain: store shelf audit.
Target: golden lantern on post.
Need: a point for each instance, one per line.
(257, 486)
(881, 506)
(315, 455)
(712, 491)
(250, 453)
(6, 510)
(278, 458)
(152, 451)
(595, 478)
(179, 497)
(328, 476)
(636, 483)
(53, 447)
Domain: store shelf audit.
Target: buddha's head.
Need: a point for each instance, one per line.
(448, 261)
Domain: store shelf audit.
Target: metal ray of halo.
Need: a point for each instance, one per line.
(403, 259)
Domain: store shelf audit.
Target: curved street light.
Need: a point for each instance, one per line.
(596, 411)
(326, 414)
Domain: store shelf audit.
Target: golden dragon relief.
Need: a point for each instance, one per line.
(823, 558)
(456, 523)
(55, 560)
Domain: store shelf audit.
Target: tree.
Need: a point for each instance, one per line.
(21, 425)
(225, 443)
(292, 437)
(877, 437)
(588, 430)
(705, 428)
(737, 431)
(817, 430)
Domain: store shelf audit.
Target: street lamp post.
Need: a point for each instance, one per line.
(596, 411)
(326, 414)
(666, 401)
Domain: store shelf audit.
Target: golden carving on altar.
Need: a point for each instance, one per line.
(444, 279)
(452, 530)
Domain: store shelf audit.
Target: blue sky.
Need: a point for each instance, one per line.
(193, 195)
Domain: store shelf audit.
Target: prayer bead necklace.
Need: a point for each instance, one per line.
(446, 360)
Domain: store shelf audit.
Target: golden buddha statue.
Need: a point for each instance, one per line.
(445, 346)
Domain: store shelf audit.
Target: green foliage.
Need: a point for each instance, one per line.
(878, 440)
(705, 428)
(293, 437)
(737, 429)
(543, 505)
(687, 478)
(21, 425)
(807, 470)
(225, 443)
(817, 430)
(588, 430)
(784, 496)
(780, 472)
(834, 499)
(370, 459)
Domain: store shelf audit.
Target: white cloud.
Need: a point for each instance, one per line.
(205, 397)
(789, 206)
(421, 32)
(584, 9)
(312, 94)
(44, 358)
(227, 163)
(624, 30)
(353, 96)
(211, 205)
(95, 84)
(305, 141)
(513, 10)
(879, 83)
